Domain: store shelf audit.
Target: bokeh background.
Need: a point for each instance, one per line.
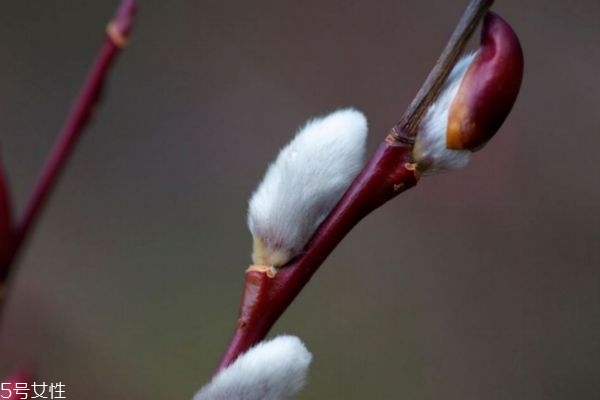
(484, 283)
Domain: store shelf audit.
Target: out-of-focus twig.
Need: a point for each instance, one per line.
(117, 33)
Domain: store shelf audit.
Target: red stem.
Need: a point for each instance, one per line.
(77, 119)
(6, 223)
(389, 172)
(117, 32)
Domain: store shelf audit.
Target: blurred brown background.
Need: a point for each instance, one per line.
(481, 284)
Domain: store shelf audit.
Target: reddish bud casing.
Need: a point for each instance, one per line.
(489, 87)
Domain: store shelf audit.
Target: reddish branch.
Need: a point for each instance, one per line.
(6, 223)
(117, 32)
(389, 172)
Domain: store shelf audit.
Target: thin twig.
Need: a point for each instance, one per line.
(406, 129)
(116, 36)
(6, 222)
(77, 119)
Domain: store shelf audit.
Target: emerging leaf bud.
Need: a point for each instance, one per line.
(474, 102)
(304, 183)
(271, 370)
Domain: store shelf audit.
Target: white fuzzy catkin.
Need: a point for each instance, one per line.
(430, 152)
(272, 370)
(304, 183)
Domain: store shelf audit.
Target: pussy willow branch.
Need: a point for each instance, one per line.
(390, 171)
(117, 32)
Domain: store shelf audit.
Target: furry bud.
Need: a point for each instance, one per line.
(304, 183)
(271, 370)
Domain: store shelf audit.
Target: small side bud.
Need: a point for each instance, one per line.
(271, 370)
(489, 88)
(304, 183)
